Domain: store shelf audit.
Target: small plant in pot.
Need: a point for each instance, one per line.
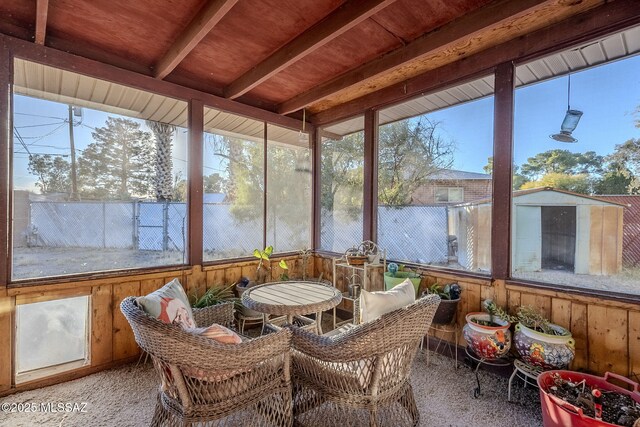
(397, 274)
(487, 334)
(449, 298)
(263, 268)
(539, 342)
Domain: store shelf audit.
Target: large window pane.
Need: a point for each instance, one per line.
(233, 185)
(342, 185)
(288, 189)
(434, 178)
(98, 175)
(576, 207)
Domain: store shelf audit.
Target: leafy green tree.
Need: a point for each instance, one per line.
(410, 151)
(52, 172)
(625, 161)
(578, 183)
(518, 179)
(214, 183)
(562, 162)
(119, 163)
(342, 168)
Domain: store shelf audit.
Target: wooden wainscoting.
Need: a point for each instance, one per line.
(112, 340)
(606, 331)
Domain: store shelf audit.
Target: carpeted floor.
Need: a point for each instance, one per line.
(126, 396)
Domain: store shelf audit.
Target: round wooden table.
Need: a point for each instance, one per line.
(292, 298)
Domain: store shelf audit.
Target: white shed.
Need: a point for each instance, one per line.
(551, 229)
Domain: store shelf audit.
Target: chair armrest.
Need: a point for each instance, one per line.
(221, 314)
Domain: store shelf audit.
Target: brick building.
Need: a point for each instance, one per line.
(450, 186)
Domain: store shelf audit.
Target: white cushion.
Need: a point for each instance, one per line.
(375, 304)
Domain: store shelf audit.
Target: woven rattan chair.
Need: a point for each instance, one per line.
(360, 377)
(203, 382)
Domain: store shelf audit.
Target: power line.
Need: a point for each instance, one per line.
(38, 115)
(19, 137)
(42, 125)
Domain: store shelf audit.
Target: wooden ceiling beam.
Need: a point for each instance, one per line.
(463, 28)
(332, 26)
(42, 10)
(207, 18)
(581, 28)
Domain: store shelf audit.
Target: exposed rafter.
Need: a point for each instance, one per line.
(461, 30)
(335, 24)
(210, 14)
(42, 9)
(575, 30)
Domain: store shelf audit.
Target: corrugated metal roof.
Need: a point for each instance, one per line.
(519, 193)
(617, 46)
(453, 174)
(42, 81)
(53, 84)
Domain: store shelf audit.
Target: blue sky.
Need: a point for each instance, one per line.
(44, 131)
(608, 96)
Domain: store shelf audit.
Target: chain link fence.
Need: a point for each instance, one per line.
(411, 233)
(414, 233)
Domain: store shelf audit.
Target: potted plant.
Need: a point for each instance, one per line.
(539, 342)
(449, 299)
(284, 276)
(263, 269)
(487, 334)
(396, 274)
(214, 296)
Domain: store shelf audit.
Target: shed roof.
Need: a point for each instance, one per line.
(453, 174)
(520, 193)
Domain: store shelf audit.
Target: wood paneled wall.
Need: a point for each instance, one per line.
(112, 340)
(606, 331)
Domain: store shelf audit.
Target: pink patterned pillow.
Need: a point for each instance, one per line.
(218, 333)
(222, 335)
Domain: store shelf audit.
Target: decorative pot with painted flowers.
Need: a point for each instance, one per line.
(552, 349)
(487, 335)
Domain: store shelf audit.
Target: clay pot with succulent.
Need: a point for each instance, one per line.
(487, 334)
(538, 341)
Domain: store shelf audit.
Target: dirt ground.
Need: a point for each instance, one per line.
(29, 263)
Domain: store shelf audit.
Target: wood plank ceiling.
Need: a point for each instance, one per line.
(281, 55)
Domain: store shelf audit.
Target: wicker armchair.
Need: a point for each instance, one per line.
(360, 377)
(203, 382)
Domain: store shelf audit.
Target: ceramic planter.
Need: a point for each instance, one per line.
(544, 350)
(487, 342)
(446, 312)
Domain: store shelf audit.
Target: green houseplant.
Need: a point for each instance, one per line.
(215, 295)
(449, 299)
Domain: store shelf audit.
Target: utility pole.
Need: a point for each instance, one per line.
(74, 179)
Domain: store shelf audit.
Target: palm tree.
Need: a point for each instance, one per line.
(163, 133)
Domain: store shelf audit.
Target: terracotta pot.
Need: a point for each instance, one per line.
(487, 342)
(544, 350)
(446, 311)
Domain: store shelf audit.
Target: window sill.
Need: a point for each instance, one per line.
(572, 290)
(85, 277)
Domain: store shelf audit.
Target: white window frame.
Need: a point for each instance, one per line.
(448, 189)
